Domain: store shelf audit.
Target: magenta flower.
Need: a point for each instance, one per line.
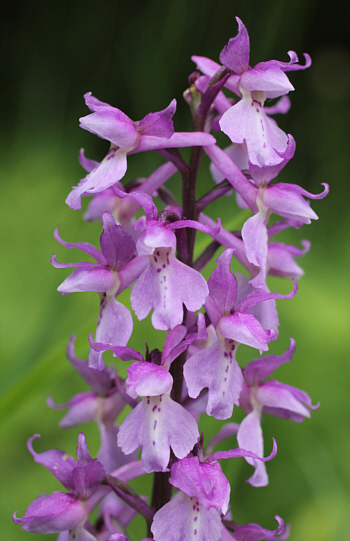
(247, 120)
(280, 256)
(154, 131)
(215, 367)
(264, 198)
(258, 397)
(114, 270)
(204, 493)
(66, 511)
(102, 404)
(158, 422)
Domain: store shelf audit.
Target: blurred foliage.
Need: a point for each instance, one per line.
(136, 56)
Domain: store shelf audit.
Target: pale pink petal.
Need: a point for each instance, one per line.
(182, 519)
(250, 437)
(215, 368)
(156, 424)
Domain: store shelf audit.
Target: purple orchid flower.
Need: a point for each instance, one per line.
(166, 283)
(258, 397)
(263, 199)
(114, 270)
(280, 256)
(158, 422)
(283, 199)
(247, 119)
(154, 131)
(204, 493)
(216, 367)
(66, 511)
(102, 404)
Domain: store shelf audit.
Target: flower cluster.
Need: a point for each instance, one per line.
(150, 251)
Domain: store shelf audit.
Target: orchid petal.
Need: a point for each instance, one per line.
(222, 284)
(84, 246)
(57, 462)
(250, 437)
(259, 369)
(159, 124)
(235, 55)
(96, 278)
(182, 519)
(117, 246)
(111, 169)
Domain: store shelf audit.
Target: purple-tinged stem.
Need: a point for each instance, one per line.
(215, 193)
(206, 255)
(131, 497)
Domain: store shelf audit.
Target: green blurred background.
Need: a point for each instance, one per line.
(136, 56)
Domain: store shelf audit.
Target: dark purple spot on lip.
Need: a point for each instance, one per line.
(154, 408)
(155, 424)
(195, 518)
(226, 369)
(164, 266)
(158, 253)
(158, 409)
(154, 442)
(194, 508)
(225, 379)
(195, 532)
(257, 110)
(158, 270)
(147, 400)
(225, 354)
(164, 278)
